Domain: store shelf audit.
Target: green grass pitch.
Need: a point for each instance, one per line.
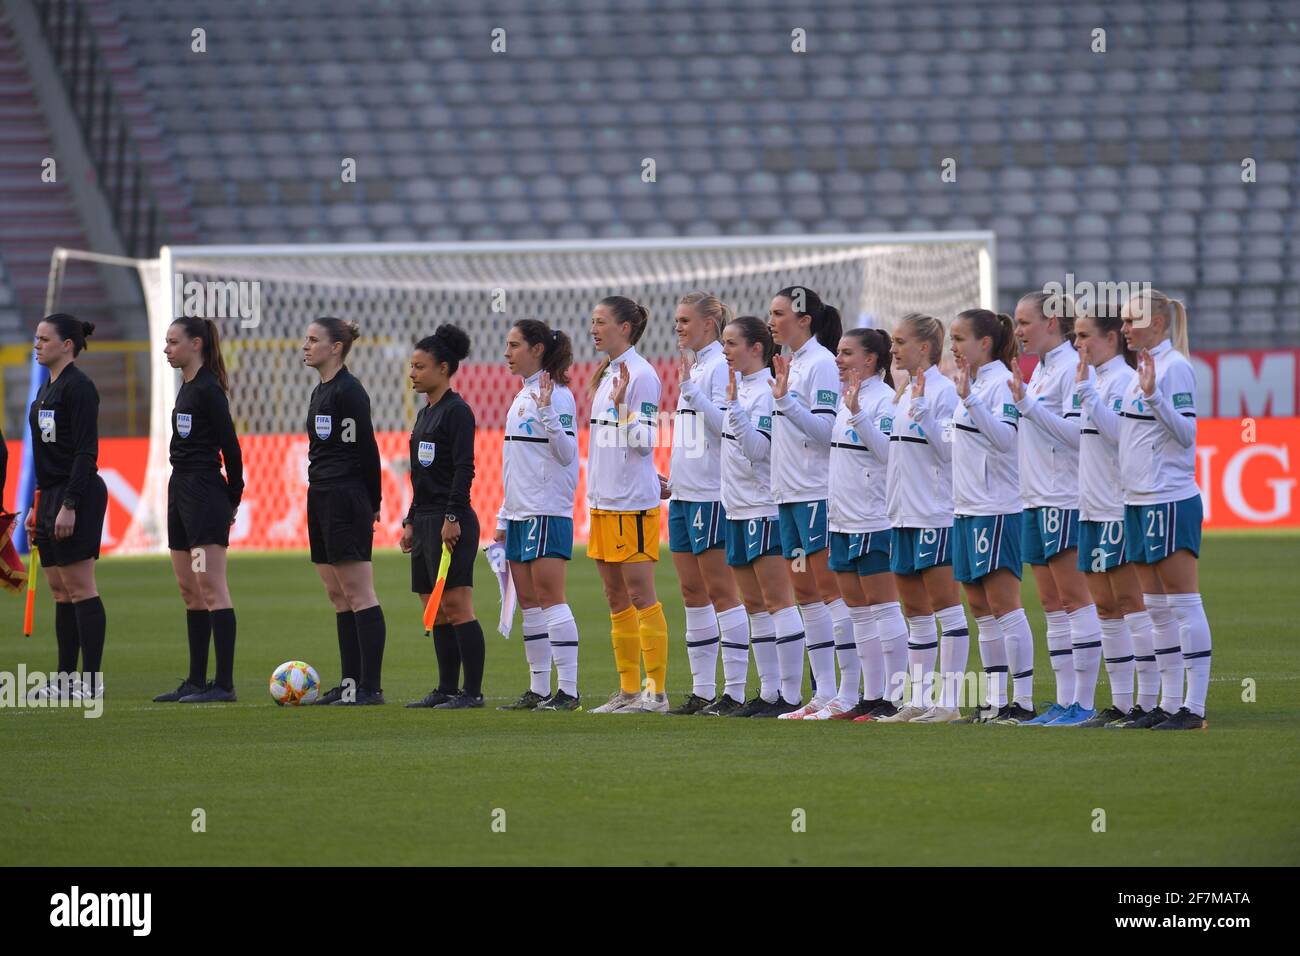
(387, 785)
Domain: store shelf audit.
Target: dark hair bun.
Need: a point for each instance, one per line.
(87, 328)
(452, 341)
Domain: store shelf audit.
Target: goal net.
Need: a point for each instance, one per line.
(262, 298)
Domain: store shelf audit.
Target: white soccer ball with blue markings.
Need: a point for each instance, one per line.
(295, 683)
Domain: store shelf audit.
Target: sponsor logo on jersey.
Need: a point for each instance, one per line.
(887, 424)
(825, 396)
(45, 419)
(566, 421)
(324, 425)
(425, 453)
(1183, 400)
(184, 422)
(1010, 411)
(1077, 401)
(528, 423)
(853, 436)
(765, 422)
(649, 409)
(1119, 404)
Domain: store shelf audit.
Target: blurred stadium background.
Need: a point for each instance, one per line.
(1170, 158)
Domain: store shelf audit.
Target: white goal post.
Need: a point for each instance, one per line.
(263, 297)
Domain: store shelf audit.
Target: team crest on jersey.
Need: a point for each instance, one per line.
(425, 453)
(324, 425)
(184, 422)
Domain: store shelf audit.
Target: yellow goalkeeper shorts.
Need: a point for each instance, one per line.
(624, 536)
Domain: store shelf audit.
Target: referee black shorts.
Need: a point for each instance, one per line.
(86, 533)
(426, 552)
(199, 511)
(340, 524)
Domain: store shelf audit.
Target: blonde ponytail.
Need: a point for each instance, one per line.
(1178, 326)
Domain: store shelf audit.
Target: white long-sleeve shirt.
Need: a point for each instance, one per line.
(1157, 443)
(919, 490)
(801, 428)
(1101, 399)
(621, 472)
(747, 450)
(695, 472)
(539, 455)
(985, 455)
(860, 460)
(1049, 432)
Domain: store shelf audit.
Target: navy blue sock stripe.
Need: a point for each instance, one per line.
(743, 647)
(818, 647)
(1150, 658)
(711, 640)
(846, 647)
(762, 640)
(921, 647)
(564, 643)
(1120, 660)
(790, 637)
(996, 669)
(1168, 650)
(1084, 647)
(1028, 673)
(535, 637)
(1068, 650)
(1196, 655)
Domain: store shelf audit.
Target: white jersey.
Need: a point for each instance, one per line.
(695, 473)
(621, 472)
(539, 455)
(801, 428)
(919, 490)
(747, 450)
(1049, 432)
(1101, 399)
(1157, 444)
(985, 455)
(860, 460)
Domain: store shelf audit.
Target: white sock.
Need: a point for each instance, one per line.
(953, 653)
(1194, 630)
(1058, 650)
(846, 653)
(1085, 646)
(893, 648)
(1144, 658)
(993, 655)
(762, 637)
(1117, 648)
(702, 649)
(1168, 649)
(788, 626)
(922, 652)
(733, 623)
(1020, 655)
(871, 660)
(819, 635)
(537, 650)
(564, 645)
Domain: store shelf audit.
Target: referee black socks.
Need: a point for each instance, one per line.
(448, 653)
(199, 626)
(223, 639)
(65, 634)
(349, 647)
(371, 632)
(469, 638)
(91, 625)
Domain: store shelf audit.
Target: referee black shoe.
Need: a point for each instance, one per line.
(432, 699)
(560, 701)
(462, 701)
(329, 697)
(363, 698)
(528, 700)
(778, 707)
(212, 694)
(1184, 719)
(751, 707)
(692, 705)
(724, 706)
(185, 690)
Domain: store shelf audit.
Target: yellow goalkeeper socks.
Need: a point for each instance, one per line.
(654, 645)
(625, 635)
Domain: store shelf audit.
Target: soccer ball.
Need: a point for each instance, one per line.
(295, 683)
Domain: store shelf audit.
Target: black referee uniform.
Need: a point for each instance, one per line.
(4, 463)
(64, 421)
(442, 473)
(201, 505)
(343, 496)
